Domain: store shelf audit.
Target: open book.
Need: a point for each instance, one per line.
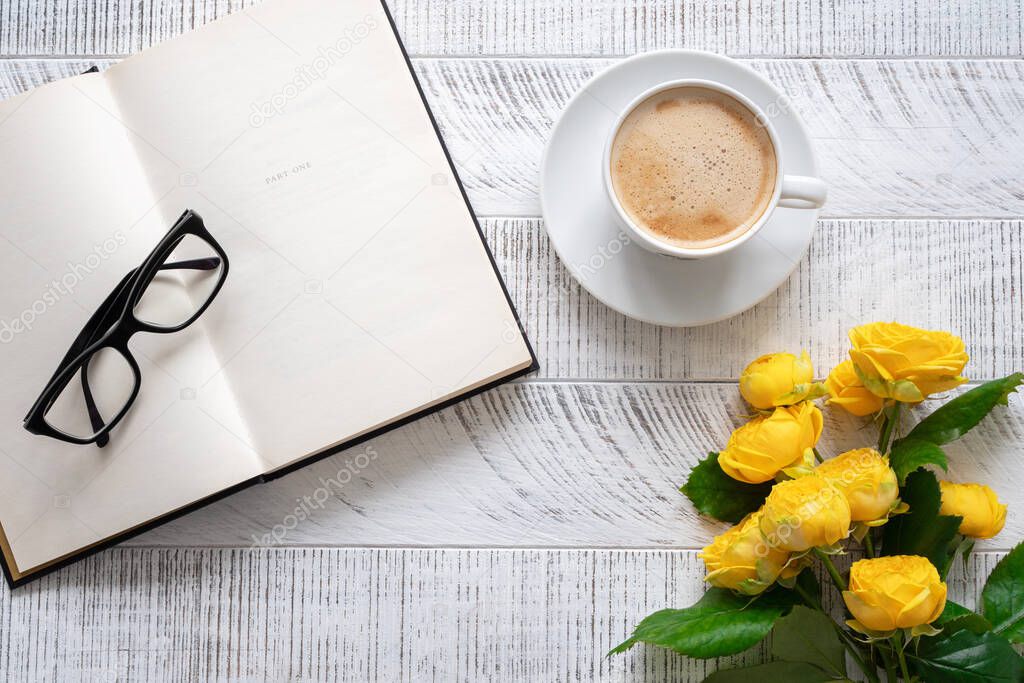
(360, 295)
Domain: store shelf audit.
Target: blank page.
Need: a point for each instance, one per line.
(359, 292)
(360, 289)
(77, 212)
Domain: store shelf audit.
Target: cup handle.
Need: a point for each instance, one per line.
(802, 192)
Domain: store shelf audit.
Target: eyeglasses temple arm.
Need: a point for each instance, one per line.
(93, 327)
(90, 405)
(112, 304)
(210, 263)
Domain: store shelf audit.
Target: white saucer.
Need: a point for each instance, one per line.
(585, 231)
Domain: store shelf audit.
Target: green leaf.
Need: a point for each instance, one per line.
(1003, 596)
(808, 635)
(960, 415)
(922, 531)
(809, 583)
(720, 623)
(910, 454)
(921, 446)
(964, 549)
(957, 617)
(716, 494)
(791, 672)
(966, 657)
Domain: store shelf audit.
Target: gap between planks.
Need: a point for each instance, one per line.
(928, 138)
(118, 56)
(569, 28)
(326, 614)
(546, 465)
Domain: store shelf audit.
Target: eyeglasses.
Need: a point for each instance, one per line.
(167, 293)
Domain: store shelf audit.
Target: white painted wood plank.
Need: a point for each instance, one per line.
(547, 465)
(573, 28)
(563, 464)
(894, 138)
(966, 276)
(314, 614)
(959, 275)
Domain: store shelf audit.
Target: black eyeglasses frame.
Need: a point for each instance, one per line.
(114, 324)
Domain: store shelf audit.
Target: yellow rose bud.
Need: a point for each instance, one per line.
(740, 560)
(779, 379)
(904, 363)
(867, 481)
(887, 593)
(984, 516)
(758, 450)
(800, 514)
(848, 392)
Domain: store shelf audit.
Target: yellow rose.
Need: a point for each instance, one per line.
(984, 516)
(740, 560)
(887, 593)
(848, 392)
(867, 481)
(758, 450)
(779, 379)
(800, 514)
(904, 363)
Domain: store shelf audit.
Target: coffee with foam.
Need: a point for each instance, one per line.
(693, 167)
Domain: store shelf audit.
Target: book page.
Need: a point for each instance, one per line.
(77, 213)
(359, 290)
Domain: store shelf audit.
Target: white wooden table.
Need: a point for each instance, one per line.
(520, 535)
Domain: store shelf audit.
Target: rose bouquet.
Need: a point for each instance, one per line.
(794, 509)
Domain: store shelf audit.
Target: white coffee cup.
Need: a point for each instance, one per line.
(791, 191)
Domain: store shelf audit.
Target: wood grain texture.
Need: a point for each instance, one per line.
(894, 138)
(556, 471)
(964, 276)
(312, 614)
(547, 464)
(557, 27)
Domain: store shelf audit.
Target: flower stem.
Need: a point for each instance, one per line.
(808, 598)
(851, 647)
(898, 646)
(869, 544)
(947, 565)
(903, 666)
(817, 455)
(958, 551)
(837, 579)
(890, 666)
(857, 655)
(892, 418)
